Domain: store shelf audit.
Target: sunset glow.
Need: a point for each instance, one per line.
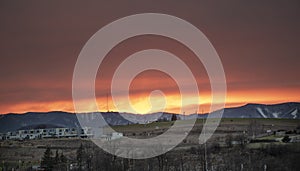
(141, 104)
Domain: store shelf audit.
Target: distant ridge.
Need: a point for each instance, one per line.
(31, 120)
(289, 110)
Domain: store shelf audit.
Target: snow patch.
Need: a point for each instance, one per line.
(261, 112)
(294, 113)
(275, 114)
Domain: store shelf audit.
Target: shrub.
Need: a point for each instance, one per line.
(286, 139)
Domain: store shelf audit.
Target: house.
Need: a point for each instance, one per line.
(37, 167)
(70, 132)
(295, 139)
(85, 132)
(48, 133)
(112, 136)
(280, 133)
(116, 135)
(29, 134)
(66, 132)
(2, 136)
(12, 135)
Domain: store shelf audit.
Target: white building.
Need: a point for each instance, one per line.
(48, 133)
(86, 132)
(112, 136)
(2, 136)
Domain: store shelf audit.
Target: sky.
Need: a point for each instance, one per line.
(257, 41)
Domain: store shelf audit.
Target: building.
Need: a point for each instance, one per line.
(2, 136)
(116, 135)
(84, 132)
(295, 139)
(280, 133)
(112, 136)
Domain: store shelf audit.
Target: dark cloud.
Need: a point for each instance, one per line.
(258, 42)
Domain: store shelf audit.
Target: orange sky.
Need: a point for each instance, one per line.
(40, 42)
(141, 104)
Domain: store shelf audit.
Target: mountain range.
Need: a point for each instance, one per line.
(34, 120)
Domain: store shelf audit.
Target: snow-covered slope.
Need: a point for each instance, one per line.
(283, 110)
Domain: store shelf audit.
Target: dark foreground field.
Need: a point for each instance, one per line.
(238, 144)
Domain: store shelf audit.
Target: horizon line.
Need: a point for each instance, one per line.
(245, 104)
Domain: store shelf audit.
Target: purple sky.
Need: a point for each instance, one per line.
(258, 43)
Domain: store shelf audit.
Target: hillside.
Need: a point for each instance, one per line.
(12, 122)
